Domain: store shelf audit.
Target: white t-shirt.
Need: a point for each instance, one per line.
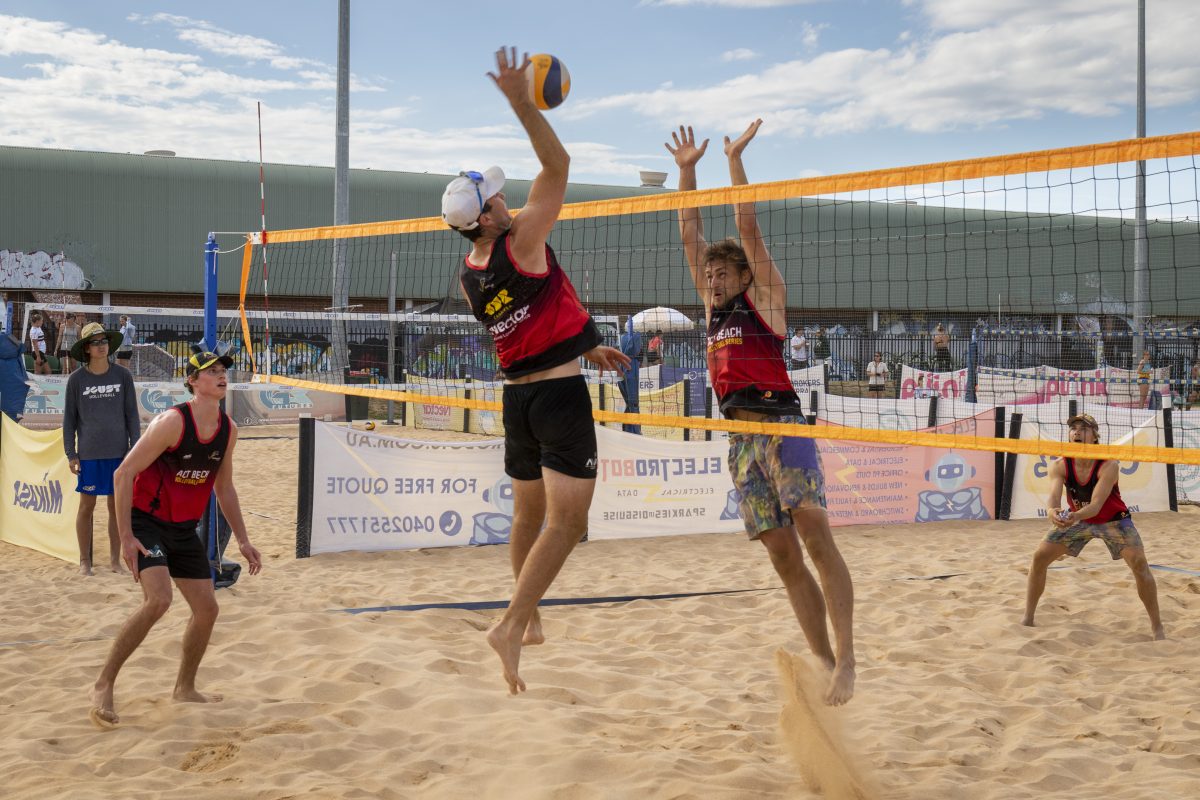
(877, 373)
(38, 337)
(128, 331)
(799, 348)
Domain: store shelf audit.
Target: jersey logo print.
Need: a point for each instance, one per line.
(497, 304)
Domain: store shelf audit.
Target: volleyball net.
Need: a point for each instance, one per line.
(978, 294)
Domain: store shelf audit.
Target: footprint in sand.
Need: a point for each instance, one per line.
(812, 736)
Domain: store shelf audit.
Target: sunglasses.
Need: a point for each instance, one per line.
(476, 178)
(98, 340)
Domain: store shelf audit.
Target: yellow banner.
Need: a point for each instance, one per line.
(38, 500)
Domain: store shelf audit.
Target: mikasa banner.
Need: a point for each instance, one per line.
(38, 502)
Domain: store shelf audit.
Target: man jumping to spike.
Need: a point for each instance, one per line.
(515, 286)
(778, 478)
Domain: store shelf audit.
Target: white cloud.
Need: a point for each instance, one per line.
(82, 90)
(739, 54)
(810, 34)
(976, 65)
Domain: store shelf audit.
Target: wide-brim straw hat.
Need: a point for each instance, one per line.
(95, 329)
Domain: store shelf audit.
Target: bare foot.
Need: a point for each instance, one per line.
(118, 568)
(1027, 622)
(1159, 634)
(102, 714)
(841, 685)
(192, 696)
(508, 647)
(85, 569)
(533, 631)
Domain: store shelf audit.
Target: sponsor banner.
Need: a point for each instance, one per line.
(155, 398)
(1143, 486)
(1008, 387)
(652, 487)
(38, 502)
(920, 383)
(882, 484)
(271, 404)
(378, 493)
(807, 381)
(45, 402)
(431, 416)
(373, 492)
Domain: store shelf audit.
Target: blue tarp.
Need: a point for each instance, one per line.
(13, 388)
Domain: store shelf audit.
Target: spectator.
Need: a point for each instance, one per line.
(100, 425)
(128, 332)
(654, 354)
(37, 345)
(821, 348)
(941, 349)
(1145, 374)
(68, 335)
(799, 350)
(1193, 387)
(631, 345)
(877, 375)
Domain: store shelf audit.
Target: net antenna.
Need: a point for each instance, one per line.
(262, 198)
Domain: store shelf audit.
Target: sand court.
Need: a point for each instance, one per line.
(676, 698)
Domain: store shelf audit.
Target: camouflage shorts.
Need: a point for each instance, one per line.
(774, 475)
(1116, 535)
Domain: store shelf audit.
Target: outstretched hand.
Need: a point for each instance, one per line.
(734, 148)
(685, 150)
(608, 358)
(509, 77)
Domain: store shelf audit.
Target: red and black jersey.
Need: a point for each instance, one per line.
(1079, 494)
(536, 321)
(178, 485)
(745, 362)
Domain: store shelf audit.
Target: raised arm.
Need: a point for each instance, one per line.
(691, 227)
(768, 291)
(532, 226)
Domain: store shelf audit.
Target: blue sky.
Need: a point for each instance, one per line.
(842, 85)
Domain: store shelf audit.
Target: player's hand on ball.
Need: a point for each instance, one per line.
(510, 76)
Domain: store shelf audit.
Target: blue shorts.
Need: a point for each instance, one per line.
(96, 475)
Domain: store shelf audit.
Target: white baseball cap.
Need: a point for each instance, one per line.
(465, 196)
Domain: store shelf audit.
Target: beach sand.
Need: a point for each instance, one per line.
(649, 699)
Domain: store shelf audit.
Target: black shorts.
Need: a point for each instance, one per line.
(173, 545)
(875, 387)
(549, 424)
(124, 355)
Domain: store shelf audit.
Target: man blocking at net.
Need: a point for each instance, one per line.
(515, 286)
(1096, 512)
(163, 487)
(778, 478)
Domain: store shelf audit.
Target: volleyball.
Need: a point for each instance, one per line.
(549, 81)
(369, 426)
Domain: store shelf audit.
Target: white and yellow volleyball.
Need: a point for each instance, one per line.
(549, 81)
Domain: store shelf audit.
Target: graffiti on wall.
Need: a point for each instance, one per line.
(40, 270)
